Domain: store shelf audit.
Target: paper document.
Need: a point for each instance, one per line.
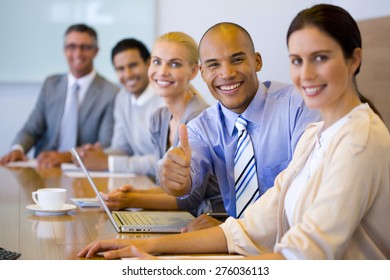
(27, 163)
(70, 167)
(86, 202)
(207, 257)
(89, 202)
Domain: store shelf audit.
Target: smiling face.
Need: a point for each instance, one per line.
(321, 73)
(170, 70)
(132, 71)
(80, 49)
(228, 66)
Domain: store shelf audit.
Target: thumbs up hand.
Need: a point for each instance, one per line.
(174, 169)
(183, 141)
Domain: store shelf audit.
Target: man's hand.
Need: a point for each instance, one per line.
(93, 157)
(15, 155)
(201, 222)
(48, 159)
(174, 170)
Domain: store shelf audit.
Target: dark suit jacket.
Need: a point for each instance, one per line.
(96, 121)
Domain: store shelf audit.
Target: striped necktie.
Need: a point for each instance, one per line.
(245, 175)
(69, 123)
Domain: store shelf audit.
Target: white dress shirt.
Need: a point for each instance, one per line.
(131, 147)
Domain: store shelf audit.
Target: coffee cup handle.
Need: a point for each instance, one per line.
(35, 197)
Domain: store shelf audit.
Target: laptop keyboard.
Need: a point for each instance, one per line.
(138, 219)
(8, 255)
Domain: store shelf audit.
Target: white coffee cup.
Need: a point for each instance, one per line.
(50, 198)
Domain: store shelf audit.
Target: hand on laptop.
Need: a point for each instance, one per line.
(174, 170)
(201, 222)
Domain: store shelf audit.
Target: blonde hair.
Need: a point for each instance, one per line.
(185, 40)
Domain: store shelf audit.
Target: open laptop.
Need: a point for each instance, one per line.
(141, 221)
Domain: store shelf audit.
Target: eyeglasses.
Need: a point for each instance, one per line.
(83, 47)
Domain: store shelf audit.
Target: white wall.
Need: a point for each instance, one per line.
(267, 22)
(16, 103)
(42, 24)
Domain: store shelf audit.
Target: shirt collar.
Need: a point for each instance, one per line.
(144, 97)
(251, 113)
(83, 82)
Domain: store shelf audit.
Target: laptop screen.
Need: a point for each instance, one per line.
(99, 196)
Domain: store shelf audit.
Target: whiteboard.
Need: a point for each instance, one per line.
(32, 33)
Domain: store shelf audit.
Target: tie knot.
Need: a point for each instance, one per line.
(241, 123)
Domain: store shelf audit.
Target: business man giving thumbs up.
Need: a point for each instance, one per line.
(174, 171)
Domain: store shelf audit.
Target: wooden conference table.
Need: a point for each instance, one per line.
(54, 237)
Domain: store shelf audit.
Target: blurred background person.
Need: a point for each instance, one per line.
(72, 109)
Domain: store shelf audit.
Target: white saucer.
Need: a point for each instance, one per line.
(51, 212)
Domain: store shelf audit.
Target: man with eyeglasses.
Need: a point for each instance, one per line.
(73, 109)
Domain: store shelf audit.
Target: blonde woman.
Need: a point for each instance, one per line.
(174, 63)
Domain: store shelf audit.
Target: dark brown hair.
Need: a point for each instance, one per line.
(338, 24)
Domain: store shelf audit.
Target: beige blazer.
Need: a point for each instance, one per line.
(342, 212)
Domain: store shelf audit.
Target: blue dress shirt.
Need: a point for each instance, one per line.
(277, 117)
